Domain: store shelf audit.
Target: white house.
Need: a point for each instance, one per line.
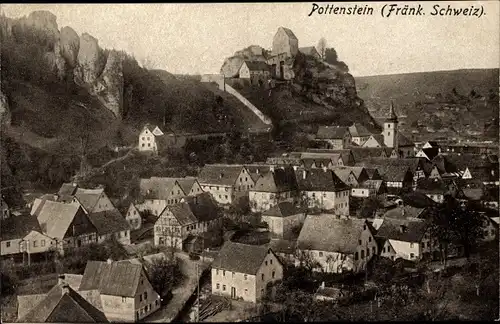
(272, 188)
(133, 217)
(337, 243)
(148, 139)
(359, 133)
(283, 219)
(334, 137)
(257, 72)
(242, 271)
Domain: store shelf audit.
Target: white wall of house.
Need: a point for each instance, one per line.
(147, 141)
(147, 300)
(261, 201)
(282, 226)
(437, 197)
(222, 194)
(242, 285)
(133, 217)
(371, 142)
(10, 246)
(360, 192)
(406, 250)
(329, 200)
(360, 140)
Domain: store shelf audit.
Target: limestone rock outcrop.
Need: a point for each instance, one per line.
(69, 45)
(111, 84)
(89, 60)
(5, 115)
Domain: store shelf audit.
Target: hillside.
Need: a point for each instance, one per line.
(459, 102)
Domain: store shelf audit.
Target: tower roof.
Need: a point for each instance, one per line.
(392, 115)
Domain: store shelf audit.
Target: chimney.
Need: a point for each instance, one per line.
(65, 289)
(109, 261)
(271, 168)
(304, 174)
(322, 285)
(60, 279)
(295, 168)
(325, 168)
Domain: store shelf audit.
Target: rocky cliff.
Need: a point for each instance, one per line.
(76, 58)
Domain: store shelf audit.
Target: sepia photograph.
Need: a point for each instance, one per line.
(249, 162)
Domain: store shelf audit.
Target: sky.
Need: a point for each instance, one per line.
(195, 38)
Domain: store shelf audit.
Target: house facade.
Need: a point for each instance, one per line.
(122, 289)
(283, 218)
(257, 72)
(272, 188)
(359, 134)
(148, 139)
(133, 217)
(334, 137)
(244, 280)
(285, 41)
(226, 183)
(336, 244)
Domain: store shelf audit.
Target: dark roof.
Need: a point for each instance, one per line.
(417, 199)
(404, 212)
(283, 209)
(283, 246)
(402, 230)
(109, 221)
(433, 143)
(467, 160)
(63, 305)
(88, 197)
(146, 231)
(17, 227)
(443, 164)
(67, 189)
(257, 65)
(194, 209)
(393, 173)
(361, 153)
(431, 152)
(379, 138)
(217, 174)
(158, 187)
(279, 180)
(289, 33)
(412, 163)
(242, 258)
(309, 50)
(435, 185)
(358, 130)
(115, 278)
(346, 154)
(318, 162)
(331, 132)
(392, 114)
(329, 233)
(404, 141)
(319, 180)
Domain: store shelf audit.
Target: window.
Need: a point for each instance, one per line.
(262, 291)
(373, 250)
(362, 254)
(7, 244)
(143, 138)
(320, 254)
(273, 274)
(370, 239)
(156, 302)
(364, 227)
(142, 282)
(271, 261)
(411, 245)
(359, 241)
(246, 277)
(140, 297)
(412, 255)
(145, 295)
(265, 262)
(43, 242)
(246, 291)
(225, 196)
(262, 276)
(35, 242)
(124, 299)
(356, 256)
(149, 144)
(223, 273)
(223, 287)
(142, 145)
(218, 286)
(367, 252)
(232, 274)
(389, 133)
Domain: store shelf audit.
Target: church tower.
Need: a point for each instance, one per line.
(391, 129)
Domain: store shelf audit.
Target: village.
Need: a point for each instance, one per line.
(354, 205)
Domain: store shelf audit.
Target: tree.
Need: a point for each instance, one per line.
(331, 56)
(164, 274)
(321, 47)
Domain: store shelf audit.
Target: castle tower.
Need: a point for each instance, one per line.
(391, 128)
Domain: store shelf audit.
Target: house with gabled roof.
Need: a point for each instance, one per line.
(359, 133)
(408, 239)
(122, 290)
(285, 41)
(192, 216)
(67, 223)
(257, 72)
(226, 182)
(62, 304)
(405, 211)
(428, 153)
(133, 217)
(242, 271)
(361, 153)
(345, 154)
(149, 139)
(374, 141)
(310, 51)
(336, 243)
(282, 219)
(278, 185)
(92, 200)
(334, 137)
(110, 223)
(322, 189)
(158, 192)
(436, 189)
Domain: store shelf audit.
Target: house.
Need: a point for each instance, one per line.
(310, 51)
(92, 200)
(334, 137)
(257, 72)
(226, 183)
(337, 243)
(396, 178)
(321, 160)
(4, 209)
(159, 192)
(324, 190)
(192, 216)
(62, 304)
(374, 141)
(122, 290)
(23, 234)
(110, 223)
(331, 293)
(362, 153)
(242, 271)
(149, 139)
(369, 188)
(405, 239)
(281, 66)
(347, 176)
(285, 249)
(284, 160)
(345, 154)
(276, 186)
(428, 153)
(435, 188)
(404, 211)
(359, 133)
(419, 167)
(283, 218)
(430, 144)
(434, 173)
(133, 217)
(67, 223)
(285, 41)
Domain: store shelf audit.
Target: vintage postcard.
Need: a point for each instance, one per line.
(221, 162)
